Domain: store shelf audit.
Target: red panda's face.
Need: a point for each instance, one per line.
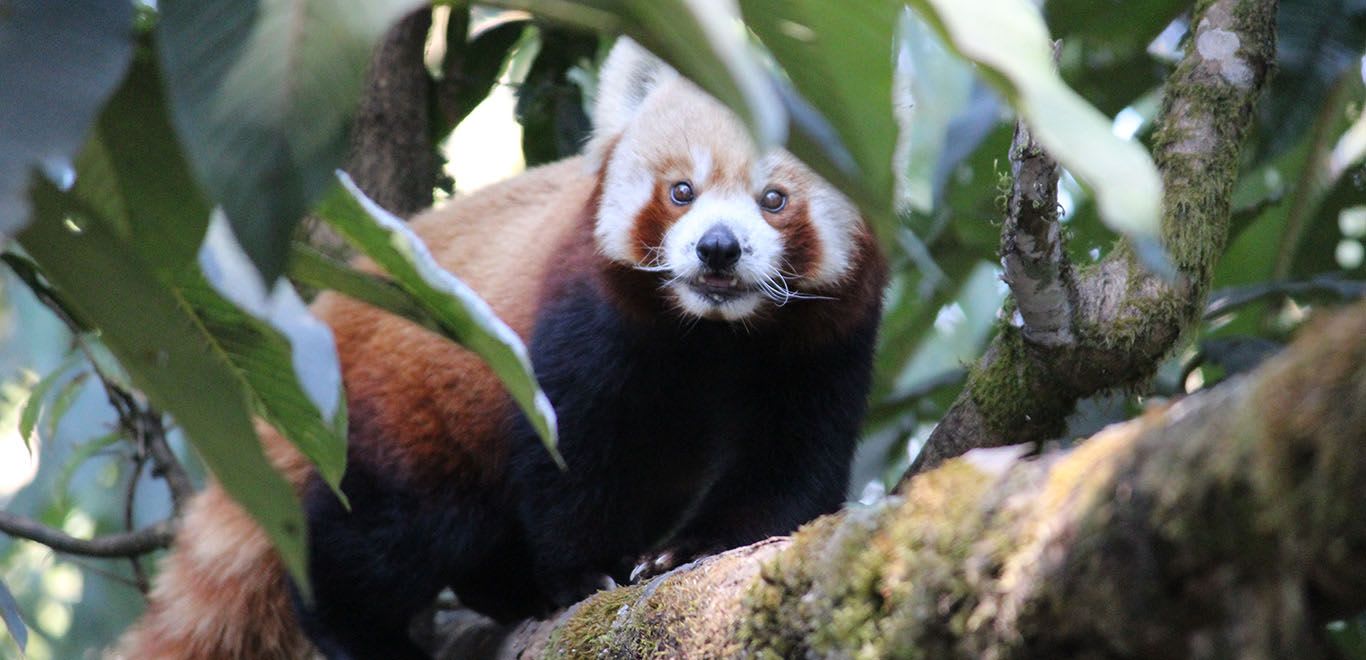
(728, 231)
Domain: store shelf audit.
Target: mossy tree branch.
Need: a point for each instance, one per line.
(1125, 319)
(1221, 526)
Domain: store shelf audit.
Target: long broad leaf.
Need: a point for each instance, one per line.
(703, 39)
(59, 61)
(133, 170)
(285, 356)
(163, 347)
(840, 57)
(133, 174)
(461, 313)
(1008, 39)
(262, 92)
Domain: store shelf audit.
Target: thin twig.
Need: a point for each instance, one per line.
(1337, 285)
(898, 401)
(138, 460)
(97, 570)
(127, 544)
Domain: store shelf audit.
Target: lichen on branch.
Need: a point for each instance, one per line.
(1125, 318)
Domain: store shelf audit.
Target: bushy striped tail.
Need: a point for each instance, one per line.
(222, 592)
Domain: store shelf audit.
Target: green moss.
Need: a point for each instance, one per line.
(589, 631)
(1006, 389)
(888, 582)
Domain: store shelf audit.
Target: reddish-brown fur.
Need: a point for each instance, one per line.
(222, 592)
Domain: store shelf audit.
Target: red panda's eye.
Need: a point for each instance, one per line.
(682, 193)
(773, 201)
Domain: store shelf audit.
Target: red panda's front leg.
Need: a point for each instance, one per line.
(376, 565)
(793, 463)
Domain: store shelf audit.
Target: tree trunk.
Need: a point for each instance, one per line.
(1223, 525)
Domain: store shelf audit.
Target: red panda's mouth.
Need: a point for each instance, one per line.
(719, 287)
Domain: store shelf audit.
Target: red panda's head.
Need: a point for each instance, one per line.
(686, 194)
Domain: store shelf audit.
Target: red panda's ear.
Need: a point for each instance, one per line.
(627, 77)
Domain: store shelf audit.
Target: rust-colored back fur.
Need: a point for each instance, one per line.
(221, 592)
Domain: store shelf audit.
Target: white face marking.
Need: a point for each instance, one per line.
(701, 165)
(760, 253)
(626, 189)
(836, 220)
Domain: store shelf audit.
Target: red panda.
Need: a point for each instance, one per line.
(702, 317)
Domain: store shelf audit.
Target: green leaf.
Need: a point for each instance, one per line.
(80, 453)
(840, 58)
(461, 313)
(262, 93)
(133, 170)
(37, 398)
(58, 62)
(171, 359)
(315, 269)
(1136, 21)
(134, 174)
(1008, 39)
(285, 357)
(698, 38)
(9, 613)
(63, 400)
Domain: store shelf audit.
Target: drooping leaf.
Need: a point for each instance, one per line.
(80, 453)
(59, 61)
(133, 169)
(37, 399)
(461, 313)
(9, 613)
(840, 57)
(1008, 39)
(261, 94)
(63, 400)
(701, 38)
(285, 356)
(170, 360)
(316, 269)
(1112, 21)
(134, 174)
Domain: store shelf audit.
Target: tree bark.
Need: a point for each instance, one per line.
(1125, 319)
(1224, 525)
(393, 154)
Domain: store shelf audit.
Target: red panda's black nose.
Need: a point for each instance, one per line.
(719, 249)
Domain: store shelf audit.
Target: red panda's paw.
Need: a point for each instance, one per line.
(656, 564)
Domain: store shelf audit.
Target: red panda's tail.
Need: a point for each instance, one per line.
(221, 593)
